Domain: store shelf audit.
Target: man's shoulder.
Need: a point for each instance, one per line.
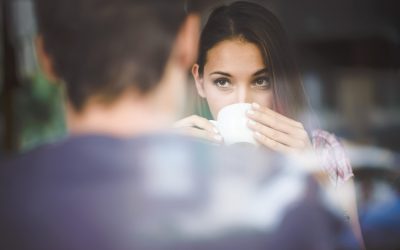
(100, 151)
(197, 189)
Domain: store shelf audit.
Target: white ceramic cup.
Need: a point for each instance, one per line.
(232, 124)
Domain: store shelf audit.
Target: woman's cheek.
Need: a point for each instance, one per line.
(265, 99)
(215, 106)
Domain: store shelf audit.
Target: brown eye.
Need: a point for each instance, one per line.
(222, 82)
(262, 82)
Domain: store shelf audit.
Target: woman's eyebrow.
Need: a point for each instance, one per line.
(220, 73)
(261, 71)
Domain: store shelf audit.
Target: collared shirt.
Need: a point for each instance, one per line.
(332, 155)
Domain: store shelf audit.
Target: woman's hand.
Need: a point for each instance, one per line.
(199, 127)
(276, 131)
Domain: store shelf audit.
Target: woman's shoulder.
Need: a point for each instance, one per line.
(333, 156)
(321, 138)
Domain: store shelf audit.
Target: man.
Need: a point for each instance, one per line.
(118, 181)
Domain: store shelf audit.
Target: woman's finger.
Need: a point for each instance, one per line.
(202, 134)
(271, 144)
(198, 127)
(270, 121)
(276, 122)
(196, 121)
(279, 128)
(276, 135)
(276, 115)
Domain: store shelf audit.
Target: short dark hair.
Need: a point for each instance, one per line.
(103, 47)
(253, 23)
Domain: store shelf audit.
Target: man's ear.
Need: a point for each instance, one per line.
(187, 41)
(45, 61)
(199, 80)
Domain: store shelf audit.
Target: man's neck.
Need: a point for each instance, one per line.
(127, 117)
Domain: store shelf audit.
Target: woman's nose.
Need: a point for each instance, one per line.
(244, 95)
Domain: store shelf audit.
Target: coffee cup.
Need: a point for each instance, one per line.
(232, 124)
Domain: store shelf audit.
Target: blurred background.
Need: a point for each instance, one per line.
(349, 55)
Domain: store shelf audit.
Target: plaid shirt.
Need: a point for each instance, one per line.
(332, 156)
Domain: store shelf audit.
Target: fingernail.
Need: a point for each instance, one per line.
(251, 122)
(251, 112)
(255, 105)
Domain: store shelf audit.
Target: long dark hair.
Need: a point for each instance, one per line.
(255, 24)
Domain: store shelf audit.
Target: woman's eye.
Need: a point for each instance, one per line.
(262, 82)
(222, 82)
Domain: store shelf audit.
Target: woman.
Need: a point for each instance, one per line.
(244, 57)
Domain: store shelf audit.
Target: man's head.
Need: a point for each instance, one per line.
(101, 49)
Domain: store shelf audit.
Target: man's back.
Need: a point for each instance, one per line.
(97, 192)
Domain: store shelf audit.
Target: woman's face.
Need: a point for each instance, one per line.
(234, 72)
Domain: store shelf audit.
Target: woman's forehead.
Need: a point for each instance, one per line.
(234, 56)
